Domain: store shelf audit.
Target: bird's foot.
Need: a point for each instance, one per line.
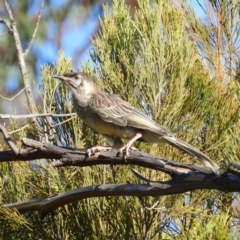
(129, 145)
(126, 150)
(91, 151)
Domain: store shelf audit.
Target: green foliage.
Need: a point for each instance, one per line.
(151, 61)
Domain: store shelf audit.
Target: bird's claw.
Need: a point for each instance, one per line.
(133, 148)
(91, 151)
(126, 148)
(126, 152)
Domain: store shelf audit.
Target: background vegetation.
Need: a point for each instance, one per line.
(184, 73)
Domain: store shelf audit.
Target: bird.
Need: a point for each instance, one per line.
(116, 119)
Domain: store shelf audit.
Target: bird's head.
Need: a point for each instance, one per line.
(78, 83)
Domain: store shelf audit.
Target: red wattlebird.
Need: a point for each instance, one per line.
(116, 119)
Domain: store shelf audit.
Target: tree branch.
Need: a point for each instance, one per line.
(184, 183)
(13, 147)
(35, 31)
(10, 99)
(78, 157)
(20, 54)
(185, 176)
(8, 116)
(7, 24)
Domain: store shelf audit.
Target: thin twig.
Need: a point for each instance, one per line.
(138, 175)
(7, 24)
(23, 127)
(55, 125)
(25, 53)
(154, 205)
(10, 99)
(8, 116)
(201, 6)
(13, 147)
(133, 23)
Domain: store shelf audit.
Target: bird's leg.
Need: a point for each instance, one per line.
(130, 143)
(117, 143)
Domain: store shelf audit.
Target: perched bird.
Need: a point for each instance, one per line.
(115, 118)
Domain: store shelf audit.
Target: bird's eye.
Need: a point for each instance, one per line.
(78, 80)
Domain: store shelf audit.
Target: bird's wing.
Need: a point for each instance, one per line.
(113, 109)
(140, 120)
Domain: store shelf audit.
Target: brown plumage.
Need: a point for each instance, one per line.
(115, 118)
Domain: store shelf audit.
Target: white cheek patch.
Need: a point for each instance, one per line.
(79, 82)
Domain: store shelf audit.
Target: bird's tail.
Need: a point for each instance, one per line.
(191, 150)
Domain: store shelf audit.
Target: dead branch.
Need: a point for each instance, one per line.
(181, 184)
(74, 157)
(184, 176)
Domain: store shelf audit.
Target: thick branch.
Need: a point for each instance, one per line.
(71, 157)
(184, 183)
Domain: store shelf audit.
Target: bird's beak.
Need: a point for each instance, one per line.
(66, 80)
(60, 77)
